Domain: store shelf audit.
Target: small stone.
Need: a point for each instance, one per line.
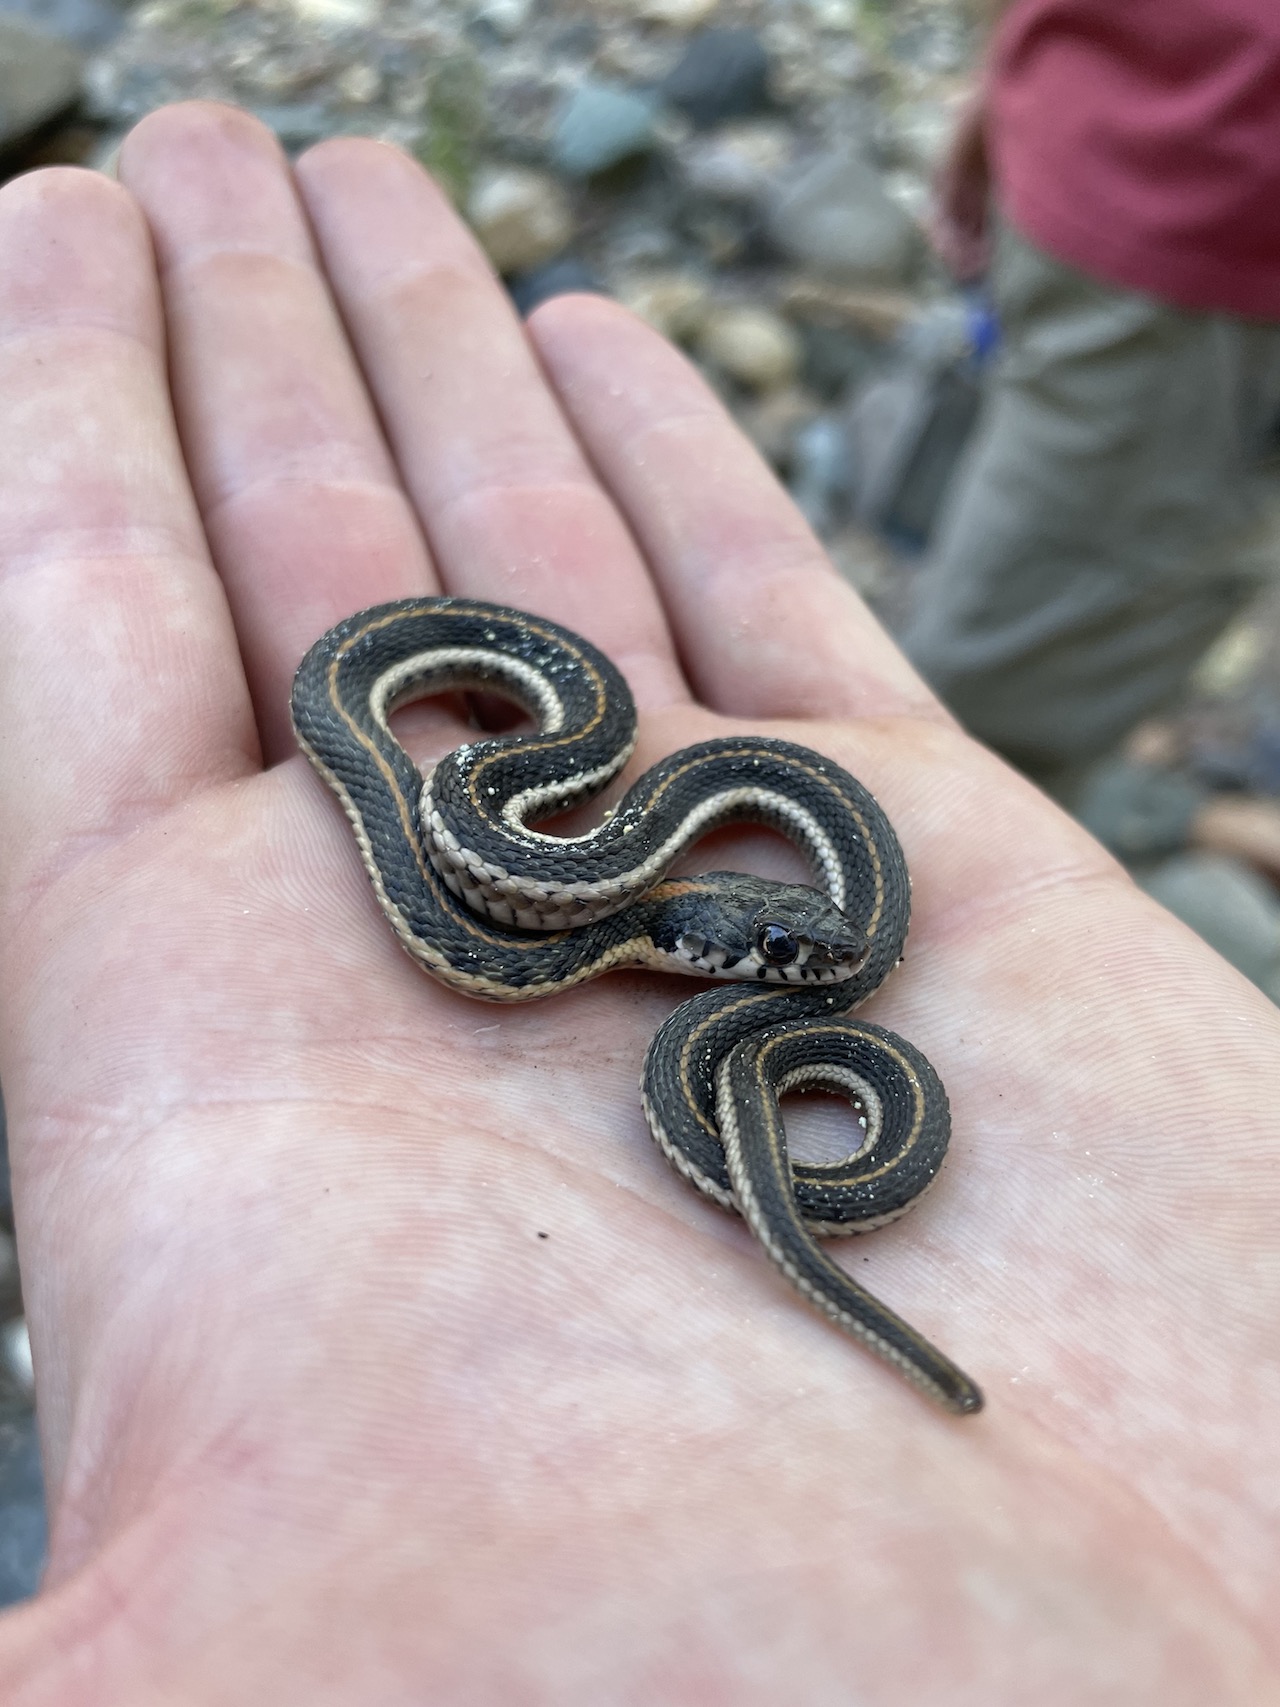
(297, 123)
(86, 23)
(921, 131)
(106, 156)
(738, 163)
(724, 74)
(838, 361)
(359, 85)
(1229, 905)
(723, 234)
(640, 59)
(675, 14)
(1232, 661)
(15, 1356)
(1159, 741)
(836, 219)
(578, 39)
(520, 217)
(773, 422)
(277, 76)
(673, 303)
(751, 345)
(336, 14)
(1140, 811)
(600, 125)
(505, 17)
(39, 78)
(863, 560)
(909, 191)
(839, 15)
(638, 243)
(881, 314)
(557, 278)
(819, 481)
(1236, 745)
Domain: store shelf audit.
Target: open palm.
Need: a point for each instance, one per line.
(381, 1358)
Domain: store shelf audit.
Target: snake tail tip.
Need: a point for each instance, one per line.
(968, 1402)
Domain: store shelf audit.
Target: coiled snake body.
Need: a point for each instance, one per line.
(502, 912)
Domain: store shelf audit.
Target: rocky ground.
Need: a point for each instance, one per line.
(22, 1527)
(749, 175)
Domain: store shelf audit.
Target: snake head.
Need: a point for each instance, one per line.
(727, 925)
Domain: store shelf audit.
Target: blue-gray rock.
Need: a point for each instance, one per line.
(819, 481)
(837, 359)
(575, 40)
(558, 278)
(600, 125)
(23, 1534)
(39, 78)
(298, 124)
(87, 23)
(1229, 905)
(1239, 748)
(723, 74)
(1140, 812)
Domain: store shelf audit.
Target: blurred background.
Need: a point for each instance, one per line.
(753, 177)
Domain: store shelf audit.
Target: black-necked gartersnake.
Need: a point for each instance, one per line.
(503, 912)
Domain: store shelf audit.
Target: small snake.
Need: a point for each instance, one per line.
(500, 911)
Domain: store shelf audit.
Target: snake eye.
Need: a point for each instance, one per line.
(777, 945)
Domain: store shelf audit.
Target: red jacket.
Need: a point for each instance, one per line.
(1139, 141)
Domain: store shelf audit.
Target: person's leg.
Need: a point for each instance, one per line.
(1096, 540)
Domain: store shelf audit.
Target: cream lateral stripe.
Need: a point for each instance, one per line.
(820, 777)
(680, 1161)
(386, 619)
(442, 667)
(637, 951)
(533, 745)
(420, 950)
(700, 822)
(845, 1082)
(413, 840)
(543, 800)
(387, 773)
(917, 1090)
(692, 1043)
(815, 840)
(749, 1205)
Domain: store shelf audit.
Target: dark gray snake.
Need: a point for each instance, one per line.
(503, 912)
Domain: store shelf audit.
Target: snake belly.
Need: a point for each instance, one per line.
(499, 911)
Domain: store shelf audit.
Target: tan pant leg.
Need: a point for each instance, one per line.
(1096, 539)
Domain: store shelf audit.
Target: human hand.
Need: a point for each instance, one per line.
(959, 222)
(326, 1418)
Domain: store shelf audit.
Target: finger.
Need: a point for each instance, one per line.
(511, 508)
(305, 514)
(120, 685)
(765, 626)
